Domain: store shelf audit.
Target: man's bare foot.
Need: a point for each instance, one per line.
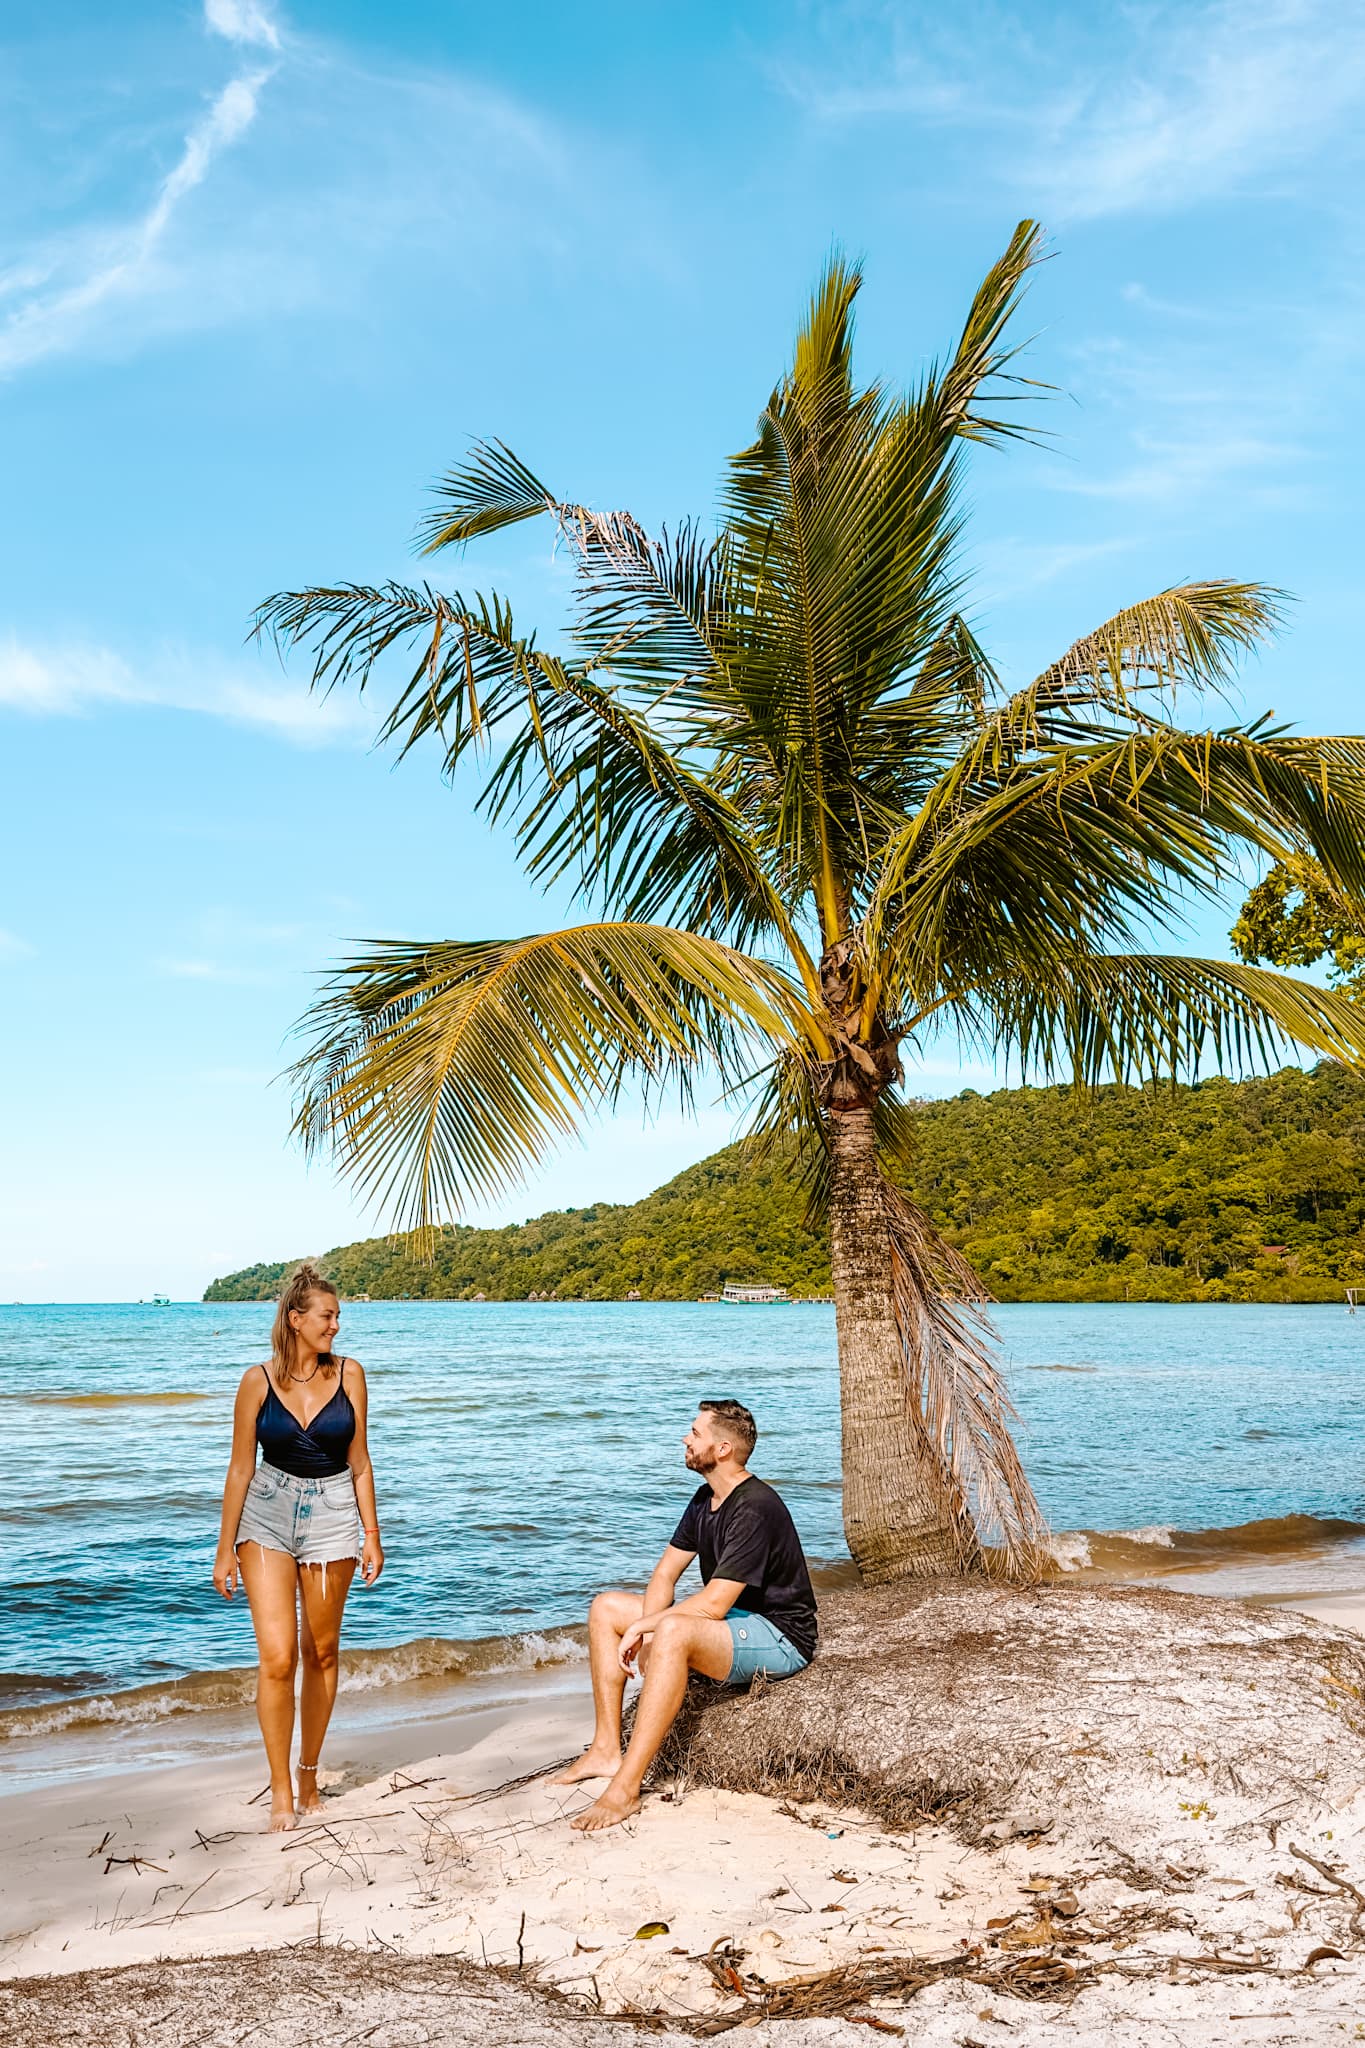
(282, 1821)
(310, 1799)
(594, 1763)
(608, 1811)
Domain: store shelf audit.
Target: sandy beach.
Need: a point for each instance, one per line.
(1220, 1929)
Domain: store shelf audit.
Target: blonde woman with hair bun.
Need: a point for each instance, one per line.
(296, 1525)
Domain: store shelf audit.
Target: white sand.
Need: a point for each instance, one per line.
(428, 1868)
(1347, 1610)
(432, 1860)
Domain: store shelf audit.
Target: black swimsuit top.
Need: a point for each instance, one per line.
(318, 1452)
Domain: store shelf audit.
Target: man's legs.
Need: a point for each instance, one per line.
(682, 1643)
(610, 1615)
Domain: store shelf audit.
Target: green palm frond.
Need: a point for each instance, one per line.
(491, 489)
(956, 398)
(648, 610)
(441, 1073)
(843, 523)
(1189, 637)
(472, 668)
(1146, 1016)
(597, 793)
(957, 669)
(1084, 842)
(592, 788)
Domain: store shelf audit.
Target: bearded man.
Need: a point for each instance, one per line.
(754, 1612)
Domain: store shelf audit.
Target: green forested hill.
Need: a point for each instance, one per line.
(1227, 1191)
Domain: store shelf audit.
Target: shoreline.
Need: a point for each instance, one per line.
(379, 1729)
(391, 1694)
(371, 1732)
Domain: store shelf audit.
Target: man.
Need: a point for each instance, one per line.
(755, 1611)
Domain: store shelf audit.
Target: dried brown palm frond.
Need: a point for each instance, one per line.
(958, 1401)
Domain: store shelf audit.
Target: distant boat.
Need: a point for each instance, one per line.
(161, 1301)
(753, 1295)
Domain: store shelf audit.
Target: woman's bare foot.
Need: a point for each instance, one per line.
(282, 1820)
(594, 1763)
(310, 1799)
(608, 1811)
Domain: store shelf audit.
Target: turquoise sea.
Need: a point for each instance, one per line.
(525, 1455)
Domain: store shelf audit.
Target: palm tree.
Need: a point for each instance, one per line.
(813, 828)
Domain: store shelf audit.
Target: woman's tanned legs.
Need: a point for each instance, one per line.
(319, 1640)
(610, 1615)
(272, 1583)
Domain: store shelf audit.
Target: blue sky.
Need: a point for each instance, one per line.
(263, 273)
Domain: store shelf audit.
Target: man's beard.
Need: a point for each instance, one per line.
(700, 1461)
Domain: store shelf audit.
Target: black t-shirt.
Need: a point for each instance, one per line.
(751, 1537)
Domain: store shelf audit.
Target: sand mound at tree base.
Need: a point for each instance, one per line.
(1114, 1714)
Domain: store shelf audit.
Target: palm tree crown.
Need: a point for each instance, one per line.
(812, 827)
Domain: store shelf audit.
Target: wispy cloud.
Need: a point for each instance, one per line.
(1005, 568)
(1170, 106)
(1193, 411)
(63, 681)
(61, 293)
(1241, 94)
(380, 168)
(212, 970)
(242, 21)
(12, 947)
(1178, 470)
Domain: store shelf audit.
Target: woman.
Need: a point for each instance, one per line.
(295, 1526)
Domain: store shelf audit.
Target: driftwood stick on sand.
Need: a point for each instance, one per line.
(1336, 1880)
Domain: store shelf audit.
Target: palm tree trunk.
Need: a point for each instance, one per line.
(894, 1510)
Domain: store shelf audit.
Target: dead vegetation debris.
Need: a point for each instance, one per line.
(974, 1706)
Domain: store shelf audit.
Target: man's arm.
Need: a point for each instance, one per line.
(711, 1603)
(659, 1593)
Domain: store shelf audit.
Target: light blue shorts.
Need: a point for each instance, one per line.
(314, 1521)
(760, 1646)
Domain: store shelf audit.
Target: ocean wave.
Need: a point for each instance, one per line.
(830, 1574)
(206, 1692)
(17, 1684)
(171, 1397)
(1159, 1548)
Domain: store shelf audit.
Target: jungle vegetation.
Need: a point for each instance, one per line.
(1228, 1191)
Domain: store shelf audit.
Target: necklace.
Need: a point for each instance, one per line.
(302, 1378)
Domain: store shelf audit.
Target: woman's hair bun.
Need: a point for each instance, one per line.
(305, 1275)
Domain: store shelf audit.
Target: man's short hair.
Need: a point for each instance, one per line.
(738, 1424)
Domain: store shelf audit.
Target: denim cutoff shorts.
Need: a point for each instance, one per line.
(314, 1521)
(760, 1646)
